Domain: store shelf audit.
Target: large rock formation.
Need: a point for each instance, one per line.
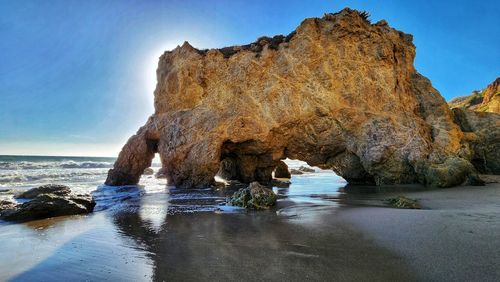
(487, 100)
(338, 92)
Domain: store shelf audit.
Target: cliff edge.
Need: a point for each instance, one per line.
(487, 100)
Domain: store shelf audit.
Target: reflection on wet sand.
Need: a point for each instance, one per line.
(259, 246)
(73, 249)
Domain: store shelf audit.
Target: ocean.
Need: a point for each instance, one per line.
(82, 174)
(87, 175)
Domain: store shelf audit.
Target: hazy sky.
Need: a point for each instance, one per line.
(77, 77)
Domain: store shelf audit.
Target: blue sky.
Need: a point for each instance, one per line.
(77, 77)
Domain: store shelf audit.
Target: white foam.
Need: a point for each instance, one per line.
(24, 165)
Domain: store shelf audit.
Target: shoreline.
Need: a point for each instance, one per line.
(338, 236)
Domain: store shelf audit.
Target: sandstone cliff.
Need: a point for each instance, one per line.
(487, 100)
(338, 92)
(481, 139)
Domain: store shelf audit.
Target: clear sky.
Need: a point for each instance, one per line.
(77, 77)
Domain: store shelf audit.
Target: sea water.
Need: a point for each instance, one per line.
(87, 175)
(81, 173)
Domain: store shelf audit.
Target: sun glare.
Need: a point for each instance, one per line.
(152, 64)
(152, 60)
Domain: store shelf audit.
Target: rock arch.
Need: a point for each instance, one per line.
(135, 156)
(338, 92)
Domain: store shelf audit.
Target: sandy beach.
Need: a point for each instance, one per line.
(249, 141)
(315, 232)
(454, 238)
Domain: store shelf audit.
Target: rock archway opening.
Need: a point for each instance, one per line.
(156, 164)
(251, 160)
(302, 168)
(246, 162)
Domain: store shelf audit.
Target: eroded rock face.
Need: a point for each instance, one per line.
(482, 139)
(339, 93)
(487, 100)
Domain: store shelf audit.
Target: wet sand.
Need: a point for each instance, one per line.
(454, 238)
(315, 233)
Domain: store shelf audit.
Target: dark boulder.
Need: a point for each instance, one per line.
(295, 171)
(46, 201)
(4, 204)
(6, 207)
(306, 169)
(228, 169)
(162, 173)
(85, 200)
(282, 171)
(54, 189)
(280, 183)
(49, 205)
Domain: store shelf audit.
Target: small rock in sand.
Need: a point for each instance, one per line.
(254, 196)
(402, 202)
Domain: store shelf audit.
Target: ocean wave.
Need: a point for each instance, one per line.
(25, 165)
(12, 178)
(49, 175)
(87, 164)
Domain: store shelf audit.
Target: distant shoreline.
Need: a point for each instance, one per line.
(58, 156)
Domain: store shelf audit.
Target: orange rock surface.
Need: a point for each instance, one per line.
(338, 92)
(487, 100)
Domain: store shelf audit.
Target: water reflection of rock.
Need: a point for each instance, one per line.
(258, 245)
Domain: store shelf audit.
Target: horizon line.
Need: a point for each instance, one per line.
(69, 156)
